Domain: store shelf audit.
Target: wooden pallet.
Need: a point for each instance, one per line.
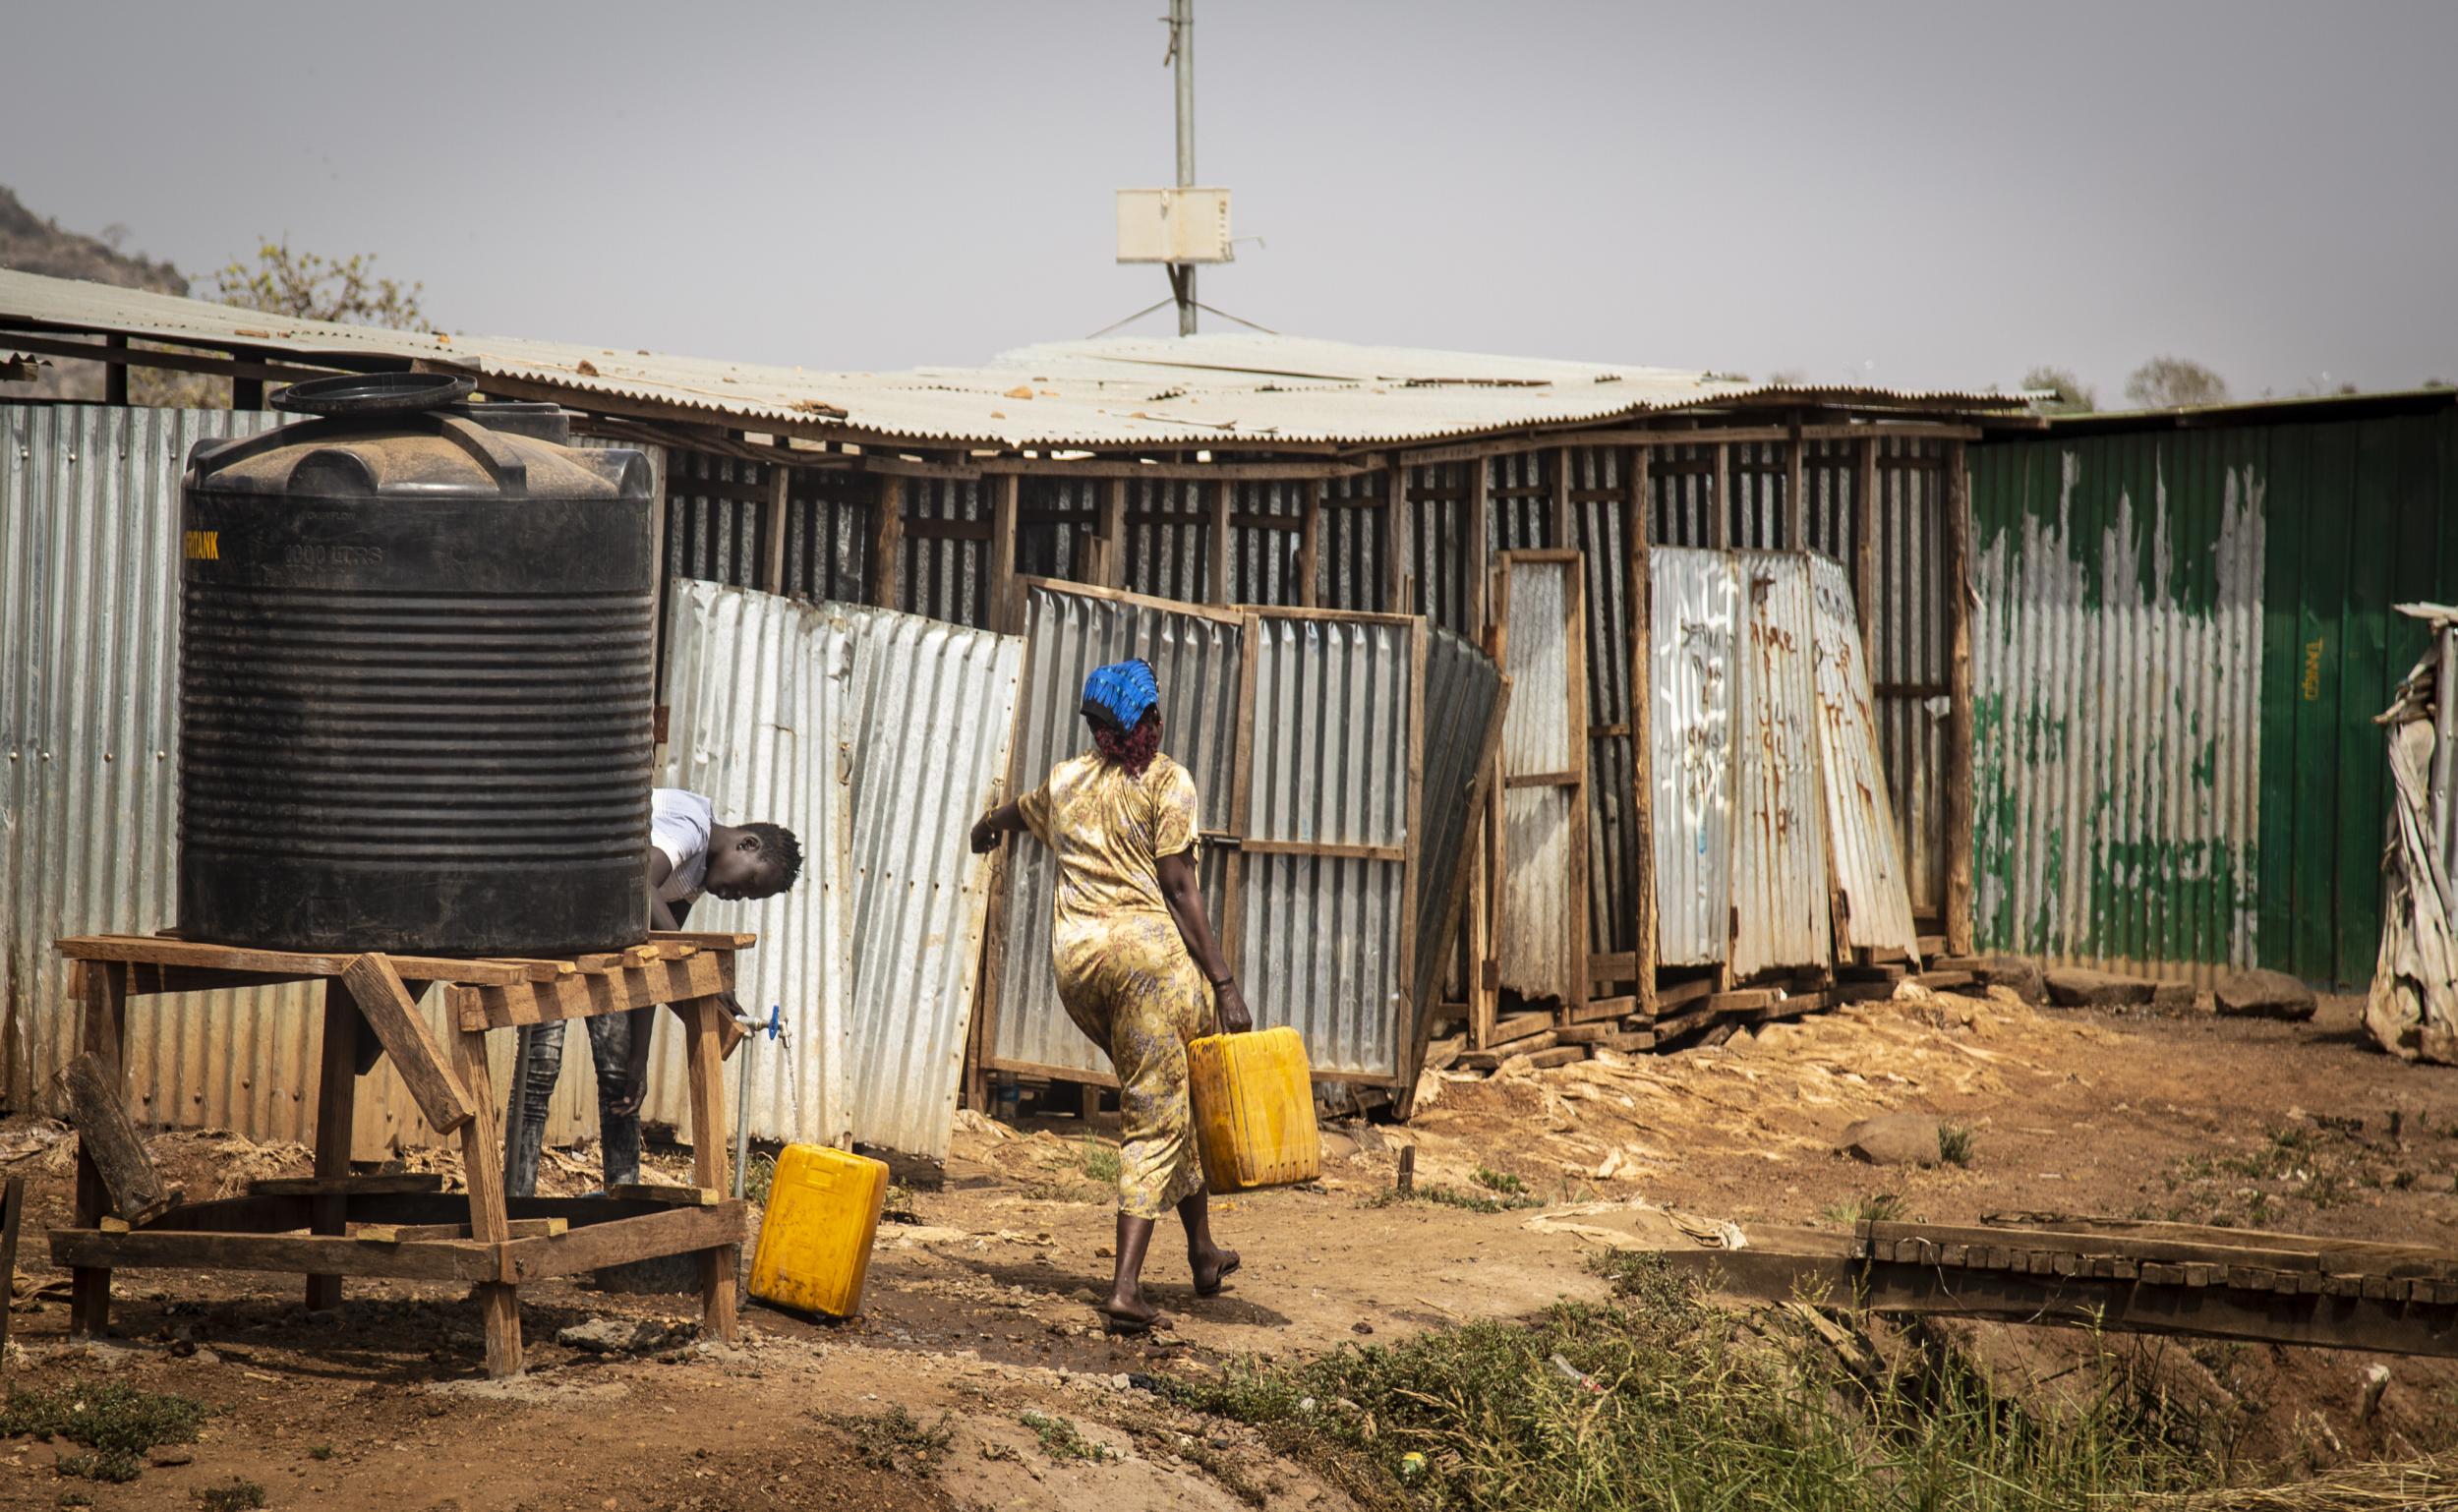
(336, 1224)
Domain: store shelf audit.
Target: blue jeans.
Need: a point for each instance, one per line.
(537, 1065)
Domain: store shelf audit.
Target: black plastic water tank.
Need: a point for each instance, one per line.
(415, 673)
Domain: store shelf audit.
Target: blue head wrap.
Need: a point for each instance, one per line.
(1123, 691)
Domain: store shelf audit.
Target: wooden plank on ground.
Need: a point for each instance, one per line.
(1559, 1055)
(1596, 1009)
(2050, 1242)
(2332, 1252)
(1672, 995)
(1518, 1026)
(108, 1136)
(1585, 1033)
(386, 1004)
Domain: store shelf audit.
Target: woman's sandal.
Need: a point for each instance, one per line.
(1224, 1273)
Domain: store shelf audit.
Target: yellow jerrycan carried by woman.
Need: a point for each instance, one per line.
(1253, 1110)
(823, 1211)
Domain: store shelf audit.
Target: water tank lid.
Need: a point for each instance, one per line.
(372, 394)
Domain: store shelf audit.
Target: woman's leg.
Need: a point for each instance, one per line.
(1206, 1259)
(1126, 1292)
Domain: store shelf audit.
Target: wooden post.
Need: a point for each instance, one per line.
(1396, 536)
(1640, 597)
(12, 1218)
(482, 1161)
(780, 505)
(97, 1108)
(1959, 795)
(1719, 501)
(246, 393)
(336, 1104)
(705, 1018)
(1484, 991)
(1575, 648)
(104, 988)
(887, 540)
(1310, 544)
(1795, 495)
(1419, 1025)
(1223, 543)
(1114, 532)
(1565, 535)
(114, 391)
(1004, 610)
(1865, 548)
(1477, 578)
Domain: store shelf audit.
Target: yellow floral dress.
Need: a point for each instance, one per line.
(1123, 969)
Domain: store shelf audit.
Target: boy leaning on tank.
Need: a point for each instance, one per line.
(690, 854)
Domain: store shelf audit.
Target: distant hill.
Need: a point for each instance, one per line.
(35, 243)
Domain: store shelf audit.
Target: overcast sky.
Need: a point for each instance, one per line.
(1897, 192)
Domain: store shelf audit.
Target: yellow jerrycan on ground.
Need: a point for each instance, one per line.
(1253, 1110)
(823, 1211)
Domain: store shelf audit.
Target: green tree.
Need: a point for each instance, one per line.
(346, 290)
(2072, 396)
(2175, 383)
(282, 281)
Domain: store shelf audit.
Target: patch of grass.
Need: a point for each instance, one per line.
(1658, 1399)
(116, 1422)
(237, 1497)
(1062, 1440)
(897, 1440)
(899, 1206)
(759, 1174)
(320, 1452)
(1953, 1143)
(1877, 1207)
(1501, 1181)
(76, 1498)
(1440, 1196)
(1100, 1161)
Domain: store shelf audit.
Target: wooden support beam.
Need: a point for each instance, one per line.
(1639, 594)
(589, 993)
(887, 543)
(347, 1186)
(153, 950)
(1477, 572)
(98, 1107)
(1309, 545)
(705, 1016)
(1719, 500)
(1221, 552)
(1005, 606)
(621, 1241)
(462, 1261)
(12, 1220)
(667, 1197)
(1396, 538)
(104, 1031)
(1113, 573)
(481, 1162)
(1795, 494)
(176, 362)
(421, 1233)
(336, 1106)
(1565, 533)
(114, 391)
(773, 512)
(386, 1003)
(1865, 548)
(1959, 812)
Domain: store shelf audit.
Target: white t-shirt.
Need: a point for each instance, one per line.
(679, 824)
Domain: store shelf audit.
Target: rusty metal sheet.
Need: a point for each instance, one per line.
(1862, 843)
(1693, 635)
(1545, 840)
(1463, 700)
(1781, 915)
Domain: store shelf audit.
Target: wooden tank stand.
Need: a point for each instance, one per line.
(336, 1224)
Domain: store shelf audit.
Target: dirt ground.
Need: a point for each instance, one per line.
(976, 1320)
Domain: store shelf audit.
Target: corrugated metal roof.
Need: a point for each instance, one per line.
(1228, 392)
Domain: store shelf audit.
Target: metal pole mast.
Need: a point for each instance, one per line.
(1182, 51)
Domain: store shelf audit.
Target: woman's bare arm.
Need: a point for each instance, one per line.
(1183, 890)
(998, 824)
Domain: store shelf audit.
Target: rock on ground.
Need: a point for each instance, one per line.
(2264, 995)
(2075, 987)
(2022, 977)
(1893, 1139)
